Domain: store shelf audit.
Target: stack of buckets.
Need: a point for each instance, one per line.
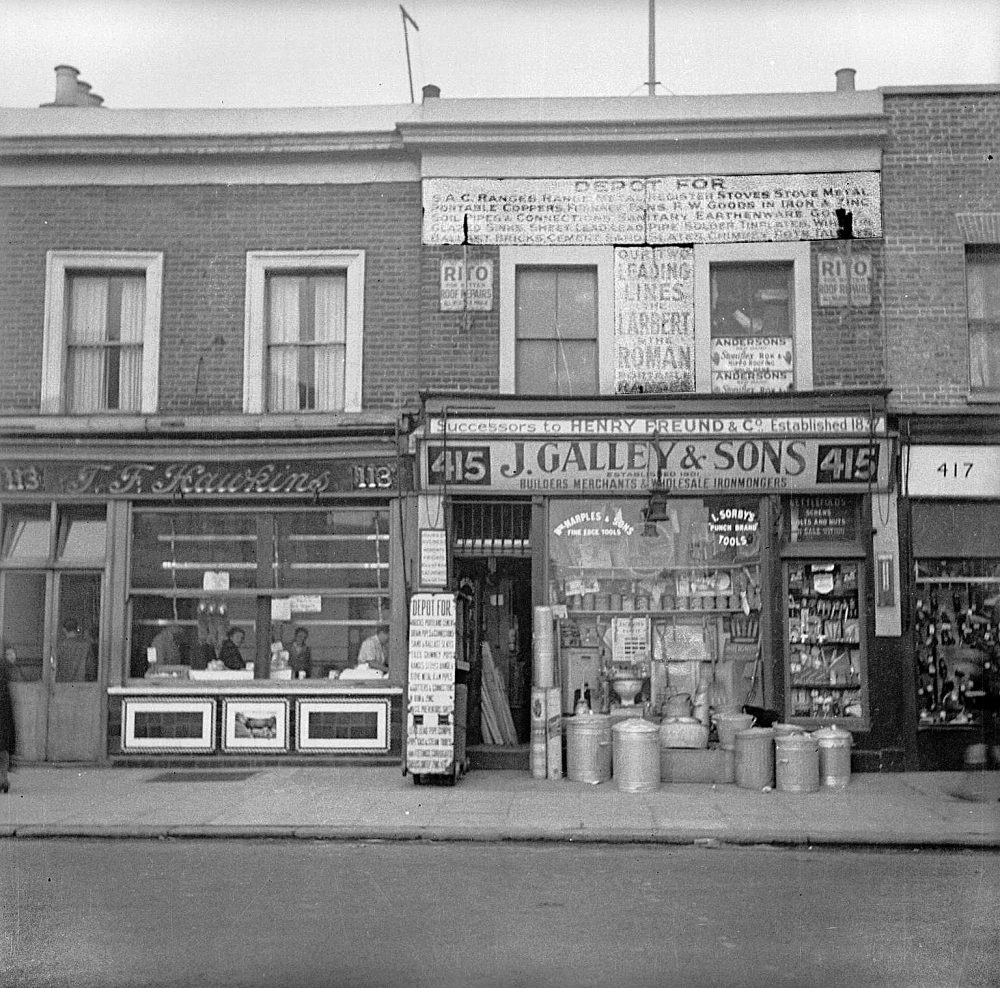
(546, 700)
(728, 723)
(789, 759)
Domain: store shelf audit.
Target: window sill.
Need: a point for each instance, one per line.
(983, 398)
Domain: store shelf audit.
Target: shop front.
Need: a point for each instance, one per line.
(168, 601)
(953, 515)
(716, 550)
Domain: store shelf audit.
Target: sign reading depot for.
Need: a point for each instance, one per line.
(669, 209)
(430, 718)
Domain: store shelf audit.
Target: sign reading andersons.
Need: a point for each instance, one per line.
(197, 478)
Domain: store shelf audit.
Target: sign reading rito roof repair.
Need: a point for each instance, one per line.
(671, 209)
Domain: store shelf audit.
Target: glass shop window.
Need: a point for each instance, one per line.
(26, 534)
(752, 328)
(81, 535)
(556, 330)
(198, 579)
(982, 271)
(659, 589)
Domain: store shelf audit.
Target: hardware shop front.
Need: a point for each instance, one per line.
(717, 547)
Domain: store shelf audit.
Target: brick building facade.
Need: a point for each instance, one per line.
(433, 419)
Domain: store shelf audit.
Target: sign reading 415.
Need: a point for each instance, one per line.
(847, 463)
(458, 465)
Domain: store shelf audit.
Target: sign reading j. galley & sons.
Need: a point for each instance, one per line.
(654, 319)
(670, 209)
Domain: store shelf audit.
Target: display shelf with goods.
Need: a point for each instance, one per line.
(650, 610)
(956, 635)
(825, 672)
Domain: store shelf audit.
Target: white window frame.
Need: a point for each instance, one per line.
(602, 258)
(58, 265)
(795, 252)
(260, 263)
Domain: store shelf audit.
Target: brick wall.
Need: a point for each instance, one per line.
(204, 233)
(941, 161)
(848, 349)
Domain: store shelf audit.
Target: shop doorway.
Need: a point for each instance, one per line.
(496, 639)
(51, 620)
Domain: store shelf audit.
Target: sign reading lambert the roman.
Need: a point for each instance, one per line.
(845, 280)
(721, 465)
(466, 287)
(196, 478)
(654, 319)
(670, 209)
(743, 364)
(430, 719)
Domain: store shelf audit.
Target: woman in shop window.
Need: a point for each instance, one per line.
(229, 654)
(300, 654)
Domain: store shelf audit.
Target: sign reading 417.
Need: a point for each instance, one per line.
(847, 463)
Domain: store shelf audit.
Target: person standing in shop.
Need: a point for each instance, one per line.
(75, 659)
(374, 651)
(300, 655)
(230, 654)
(8, 732)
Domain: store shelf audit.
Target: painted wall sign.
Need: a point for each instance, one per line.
(844, 279)
(197, 478)
(430, 717)
(466, 288)
(951, 471)
(464, 426)
(654, 319)
(671, 209)
(622, 465)
(823, 519)
(743, 364)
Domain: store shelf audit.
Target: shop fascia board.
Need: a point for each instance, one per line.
(838, 399)
(221, 427)
(960, 427)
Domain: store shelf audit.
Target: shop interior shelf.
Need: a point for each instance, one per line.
(938, 580)
(826, 641)
(687, 568)
(826, 686)
(676, 610)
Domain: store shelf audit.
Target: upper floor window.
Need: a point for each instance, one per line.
(556, 319)
(556, 330)
(982, 272)
(303, 331)
(102, 332)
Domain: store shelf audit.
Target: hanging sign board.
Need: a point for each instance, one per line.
(433, 557)
(466, 287)
(668, 209)
(752, 364)
(819, 519)
(430, 715)
(654, 319)
(844, 279)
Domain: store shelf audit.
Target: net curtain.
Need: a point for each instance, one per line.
(307, 336)
(104, 352)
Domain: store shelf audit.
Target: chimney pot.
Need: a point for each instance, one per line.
(430, 91)
(66, 85)
(845, 80)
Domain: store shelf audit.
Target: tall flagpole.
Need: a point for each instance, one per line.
(652, 48)
(406, 39)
